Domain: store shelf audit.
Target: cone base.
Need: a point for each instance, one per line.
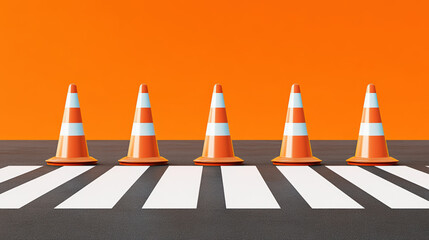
(302, 161)
(78, 161)
(371, 161)
(219, 161)
(148, 161)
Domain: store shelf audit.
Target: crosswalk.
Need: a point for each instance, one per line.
(10, 172)
(244, 187)
(386, 192)
(318, 192)
(105, 191)
(29, 191)
(409, 174)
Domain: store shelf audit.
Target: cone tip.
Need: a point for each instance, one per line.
(143, 88)
(72, 88)
(217, 88)
(370, 88)
(295, 88)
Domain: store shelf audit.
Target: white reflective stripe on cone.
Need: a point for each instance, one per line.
(370, 100)
(295, 129)
(72, 101)
(217, 101)
(217, 129)
(143, 129)
(371, 129)
(295, 100)
(143, 100)
(71, 129)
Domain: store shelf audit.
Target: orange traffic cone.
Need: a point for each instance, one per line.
(371, 148)
(72, 148)
(296, 149)
(143, 148)
(218, 148)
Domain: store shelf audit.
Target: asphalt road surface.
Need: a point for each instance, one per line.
(254, 201)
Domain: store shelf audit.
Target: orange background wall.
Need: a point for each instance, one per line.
(255, 49)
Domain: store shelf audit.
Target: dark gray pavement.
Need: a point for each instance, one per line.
(295, 220)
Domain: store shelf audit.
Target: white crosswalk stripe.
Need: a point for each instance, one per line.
(318, 192)
(410, 174)
(245, 188)
(105, 191)
(10, 172)
(23, 194)
(178, 188)
(386, 192)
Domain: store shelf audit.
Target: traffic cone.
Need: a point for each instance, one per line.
(72, 148)
(143, 148)
(371, 148)
(218, 148)
(296, 149)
